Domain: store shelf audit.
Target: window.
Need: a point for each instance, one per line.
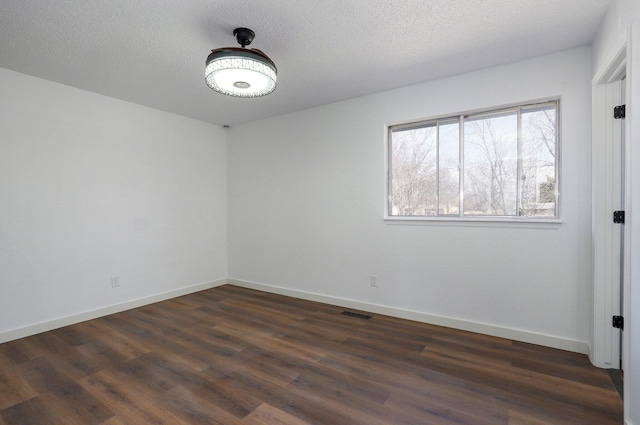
(499, 163)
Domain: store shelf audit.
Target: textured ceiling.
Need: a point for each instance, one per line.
(152, 52)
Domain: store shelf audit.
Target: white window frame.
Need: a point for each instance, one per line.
(471, 220)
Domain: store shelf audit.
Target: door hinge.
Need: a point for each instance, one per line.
(618, 322)
(619, 112)
(618, 217)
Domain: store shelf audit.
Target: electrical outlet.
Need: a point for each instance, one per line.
(115, 281)
(373, 281)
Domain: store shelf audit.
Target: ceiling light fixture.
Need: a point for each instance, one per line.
(238, 71)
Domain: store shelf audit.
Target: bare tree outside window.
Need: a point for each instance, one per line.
(509, 164)
(491, 165)
(414, 171)
(539, 134)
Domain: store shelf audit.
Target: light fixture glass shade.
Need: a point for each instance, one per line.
(240, 72)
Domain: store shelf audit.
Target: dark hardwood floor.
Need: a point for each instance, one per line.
(235, 356)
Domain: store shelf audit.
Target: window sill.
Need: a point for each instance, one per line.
(508, 222)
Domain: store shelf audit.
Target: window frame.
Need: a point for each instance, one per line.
(460, 219)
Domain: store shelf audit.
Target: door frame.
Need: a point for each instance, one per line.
(606, 190)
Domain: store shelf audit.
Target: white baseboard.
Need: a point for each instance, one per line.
(499, 331)
(103, 311)
(502, 332)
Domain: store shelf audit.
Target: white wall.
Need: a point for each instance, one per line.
(624, 15)
(306, 196)
(92, 187)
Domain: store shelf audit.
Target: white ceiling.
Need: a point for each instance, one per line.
(152, 52)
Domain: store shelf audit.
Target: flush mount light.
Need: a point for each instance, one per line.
(240, 72)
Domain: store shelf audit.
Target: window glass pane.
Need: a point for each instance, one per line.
(413, 171)
(449, 175)
(491, 165)
(539, 162)
(508, 168)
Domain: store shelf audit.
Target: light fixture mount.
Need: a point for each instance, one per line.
(241, 72)
(244, 36)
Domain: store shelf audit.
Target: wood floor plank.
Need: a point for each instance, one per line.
(433, 389)
(571, 366)
(317, 408)
(116, 420)
(249, 334)
(195, 408)
(265, 366)
(14, 388)
(128, 347)
(266, 414)
(236, 356)
(219, 391)
(67, 359)
(12, 353)
(129, 405)
(293, 346)
(46, 378)
(22, 350)
(436, 413)
(42, 410)
(520, 418)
